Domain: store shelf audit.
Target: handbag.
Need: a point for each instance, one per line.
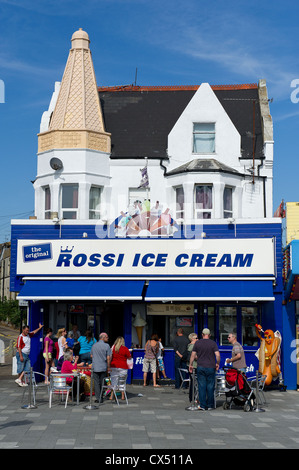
(130, 363)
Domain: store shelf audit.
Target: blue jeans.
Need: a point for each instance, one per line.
(206, 386)
(85, 357)
(25, 365)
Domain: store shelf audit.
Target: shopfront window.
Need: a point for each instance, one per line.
(250, 316)
(211, 321)
(227, 323)
(165, 319)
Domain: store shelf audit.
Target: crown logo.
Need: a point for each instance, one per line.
(66, 250)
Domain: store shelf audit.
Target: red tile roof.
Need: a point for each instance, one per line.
(244, 86)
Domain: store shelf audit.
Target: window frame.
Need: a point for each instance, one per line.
(241, 323)
(226, 212)
(74, 210)
(179, 211)
(203, 210)
(95, 211)
(203, 132)
(47, 200)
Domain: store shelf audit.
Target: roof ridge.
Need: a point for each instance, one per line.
(242, 86)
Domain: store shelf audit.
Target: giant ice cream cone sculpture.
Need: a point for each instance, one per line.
(162, 221)
(139, 324)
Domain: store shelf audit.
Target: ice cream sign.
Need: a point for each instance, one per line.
(145, 258)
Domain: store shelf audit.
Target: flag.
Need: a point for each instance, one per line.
(144, 178)
(280, 211)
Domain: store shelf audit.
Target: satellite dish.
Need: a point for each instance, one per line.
(56, 164)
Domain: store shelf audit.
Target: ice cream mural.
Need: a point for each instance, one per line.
(142, 220)
(139, 323)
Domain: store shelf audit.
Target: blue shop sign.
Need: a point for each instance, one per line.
(37, 252)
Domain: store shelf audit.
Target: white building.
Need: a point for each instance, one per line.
(208, 150)
(190, 168)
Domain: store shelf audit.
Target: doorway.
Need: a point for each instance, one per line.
(113, 320)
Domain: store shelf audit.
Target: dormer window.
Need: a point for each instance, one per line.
(203, 137)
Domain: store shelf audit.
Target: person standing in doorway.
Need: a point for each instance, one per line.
(180, 346)
(23, 351)
(48, 353)
(86, 342)
(238, 356)
(151, 350)
(208, 360)
(192, 338)
(101, 358)
(75, 332)
(61, 336)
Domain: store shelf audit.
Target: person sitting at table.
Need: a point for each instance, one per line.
(69, 366)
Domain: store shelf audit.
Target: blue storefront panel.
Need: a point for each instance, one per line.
(206, 290)
(262, 291)
(81, 290)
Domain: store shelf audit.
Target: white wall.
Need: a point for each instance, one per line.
(88, 167)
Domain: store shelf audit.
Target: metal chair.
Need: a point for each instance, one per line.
(35, 384)
(220, 386)
(261, 385)
(119, 387)
(184, 375)
(59, 386)
(106, 387)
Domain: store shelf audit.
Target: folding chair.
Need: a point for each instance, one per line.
(119, 387)
(184, 375)
(261, 385)
(106, 386)
(35, 384)
(59, 386)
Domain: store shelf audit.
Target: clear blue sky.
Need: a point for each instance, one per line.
(170, 42)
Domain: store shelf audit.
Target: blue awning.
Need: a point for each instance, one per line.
(218, 290)
(81, 290)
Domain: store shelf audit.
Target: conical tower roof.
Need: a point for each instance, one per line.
(77, 120)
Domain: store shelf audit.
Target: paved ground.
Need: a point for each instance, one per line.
(155, 419)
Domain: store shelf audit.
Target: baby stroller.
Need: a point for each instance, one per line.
(237, 390)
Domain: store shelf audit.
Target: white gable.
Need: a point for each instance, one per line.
(204, 107)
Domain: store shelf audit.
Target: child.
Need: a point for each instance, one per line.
(161, 367)
(70, 340)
